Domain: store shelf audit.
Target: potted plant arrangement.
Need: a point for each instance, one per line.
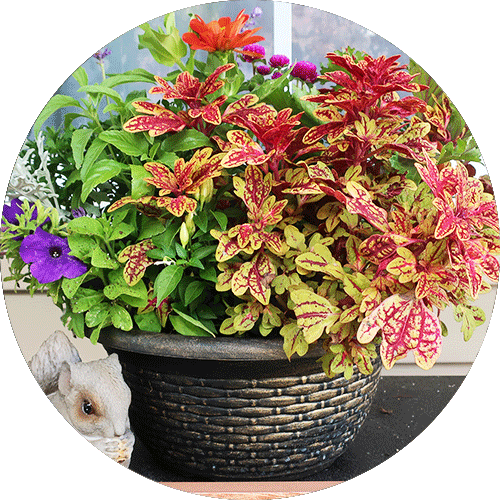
(227, 228)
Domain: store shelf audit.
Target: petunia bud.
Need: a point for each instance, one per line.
(184, 235)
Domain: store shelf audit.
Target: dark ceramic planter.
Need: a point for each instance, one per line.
(237, 409)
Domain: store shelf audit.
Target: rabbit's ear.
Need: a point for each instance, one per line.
(113, 359)
(64, 383)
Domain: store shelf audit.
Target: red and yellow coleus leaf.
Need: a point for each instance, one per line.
(404, 266)
(255, 276)
(157, 120)
(314, 313)
(319, 259)
(361, 203)
(405, 325)
(162, 311)
(136, 261)
(243, 149)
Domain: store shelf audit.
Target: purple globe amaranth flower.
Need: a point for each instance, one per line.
(263, 70)
(279, 60)
(305, 70)
(276, 74)
(258, 50)
(49, 257)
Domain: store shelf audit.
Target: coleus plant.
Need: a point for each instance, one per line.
(328, 211)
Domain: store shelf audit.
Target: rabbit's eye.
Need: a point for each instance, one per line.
(87, 407)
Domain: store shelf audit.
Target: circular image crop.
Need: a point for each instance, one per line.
(248, 248)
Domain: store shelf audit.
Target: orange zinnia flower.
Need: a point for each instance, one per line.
(221, 35)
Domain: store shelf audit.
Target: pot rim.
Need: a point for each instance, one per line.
(172, 345)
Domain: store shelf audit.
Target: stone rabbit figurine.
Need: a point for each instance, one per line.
(92, 397)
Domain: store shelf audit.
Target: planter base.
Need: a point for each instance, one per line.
(243, 420)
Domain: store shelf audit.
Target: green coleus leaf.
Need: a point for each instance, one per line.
(471, 317)
(294, 341)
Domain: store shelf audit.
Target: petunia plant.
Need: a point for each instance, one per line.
(335, 206)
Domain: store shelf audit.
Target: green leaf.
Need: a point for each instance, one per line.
(71, 286)
(186, 140)
(167, 281)
(193, 291)
(102, 260)
(139, 186)
(79, 141)
(87, 226)
(150, 227)
(201, 220)
(85, 298)
(148, 322)
(92, 154)
(80, 75)
(465, 150)
(204, 251)
(102, 89)
(166, 47)
(120, 318)
(209, 274)
(221, 218)
(186, 328)
(81, 245)
(130, 144)
(97, 314)
(56, 102)
(118, 287)
(471, 317)
(100, 172)
(120, 231)
(77, 324)
(137, 75)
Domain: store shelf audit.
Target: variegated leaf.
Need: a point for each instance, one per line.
(320, 259)
(314, 313)
(405, 325)
(177, 206)
(136, 261)
(362, 204)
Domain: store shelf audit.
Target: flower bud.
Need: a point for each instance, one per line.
(206, 190)
(188, 219)
(184, 235)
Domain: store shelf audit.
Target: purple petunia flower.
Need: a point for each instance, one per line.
(254, 47)
(10, 213)
(49, 257)
(78, 212)
(279, 60)
(264, 70)
(305, 70)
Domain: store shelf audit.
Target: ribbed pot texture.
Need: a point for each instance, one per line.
(238, 409)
